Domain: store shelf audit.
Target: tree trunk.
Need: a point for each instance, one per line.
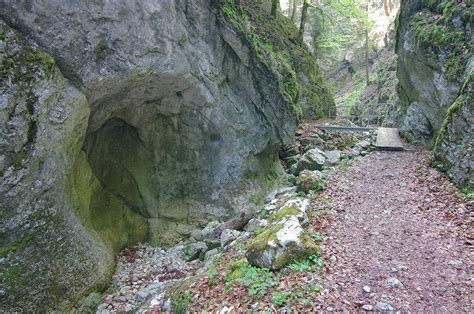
(275, 7)
(304, 16)
(367, 52)
(386, 7)
(293, 13)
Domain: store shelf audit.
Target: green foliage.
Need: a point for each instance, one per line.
(280, 297)
(326, 199)
(25, 64)
(338, 25)
(263, 213)
(258, 280)
(469, 194)
(434, 30)
(100, 50)
(181, 302)
(312, 263)
(235, 270)
(348, 101)
(274, 42)
(45, 61)
(316, 236)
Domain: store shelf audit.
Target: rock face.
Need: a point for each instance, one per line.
(122, 122)
(454, 146)
(435, 72)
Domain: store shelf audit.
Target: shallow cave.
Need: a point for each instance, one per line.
(153, 159)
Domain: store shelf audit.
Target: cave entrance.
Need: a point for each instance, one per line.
(151, 164)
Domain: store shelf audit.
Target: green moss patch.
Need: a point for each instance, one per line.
(274, 41)
(268, 234)
(435, 31)
(284, 212)
(295, 252)
(101, 212)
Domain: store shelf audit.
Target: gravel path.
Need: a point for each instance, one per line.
(400, 238)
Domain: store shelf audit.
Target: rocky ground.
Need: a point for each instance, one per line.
(142, 274)
(393, 235)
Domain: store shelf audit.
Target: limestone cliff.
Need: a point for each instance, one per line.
(434, 46)
(127, 121)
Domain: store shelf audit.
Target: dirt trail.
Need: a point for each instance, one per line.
(395, 217)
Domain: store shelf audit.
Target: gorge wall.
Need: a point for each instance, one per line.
(435, 70)
(127, 121)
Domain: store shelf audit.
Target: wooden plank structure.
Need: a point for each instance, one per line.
(344, 128)
(388, 139)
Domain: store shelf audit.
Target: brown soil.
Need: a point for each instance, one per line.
(391, 210)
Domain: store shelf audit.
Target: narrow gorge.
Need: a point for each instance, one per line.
(187, 135)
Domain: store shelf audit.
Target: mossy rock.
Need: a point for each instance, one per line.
(281, 244)
(310, 181)
(284, 212)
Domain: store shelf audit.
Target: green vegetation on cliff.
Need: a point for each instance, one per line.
(438, 28)
(274, 41)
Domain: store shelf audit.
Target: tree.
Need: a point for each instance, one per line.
(335, 26)
(304, 16)
(293, 13)
(275, 7)
(367, 78)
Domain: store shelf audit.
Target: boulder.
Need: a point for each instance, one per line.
(332, 157)
(227, 236)
(255, 224)
(296, 207)
(311, 180)
(291, 160)
(313, 159)
(311, 140)
(210, 254)
(277, 193)
(191, 251)
(290, 150)
(281, 244)
(210, 229)
(362, 145)
(353, 153)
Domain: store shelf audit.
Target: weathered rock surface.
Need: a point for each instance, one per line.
(311, 180)
(281, 244)
(255, 224)
(227, 236)
(454, 146)
(284, 240)
(436, 82)
(313, 159)
(139, 121)
(332, 157)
